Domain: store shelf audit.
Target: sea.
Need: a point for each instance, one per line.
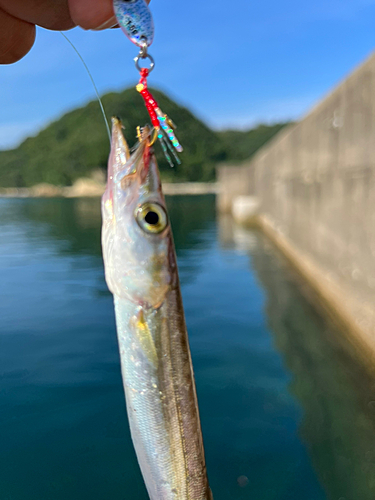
(287, 409)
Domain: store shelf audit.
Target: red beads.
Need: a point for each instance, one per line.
(150, 102)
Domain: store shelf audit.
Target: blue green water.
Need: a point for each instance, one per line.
(287, 412)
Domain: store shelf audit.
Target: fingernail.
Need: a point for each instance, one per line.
(108, 24)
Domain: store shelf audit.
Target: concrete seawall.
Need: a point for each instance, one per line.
(315, 184)
(233, 181)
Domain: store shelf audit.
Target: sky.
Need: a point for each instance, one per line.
(234, 64)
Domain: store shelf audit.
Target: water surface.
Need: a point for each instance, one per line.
(287, 412)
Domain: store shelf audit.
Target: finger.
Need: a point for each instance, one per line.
(16, 38)
(90, 15)
(49, 14)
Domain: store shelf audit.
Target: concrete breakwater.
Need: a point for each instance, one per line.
(312, 190)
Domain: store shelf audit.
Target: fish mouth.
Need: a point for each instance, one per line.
(133, 166)
(129, 165)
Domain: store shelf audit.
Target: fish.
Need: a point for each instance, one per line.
(141, 272)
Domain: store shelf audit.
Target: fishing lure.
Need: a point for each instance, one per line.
(135, 19)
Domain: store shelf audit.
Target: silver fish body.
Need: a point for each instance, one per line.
(141, 272)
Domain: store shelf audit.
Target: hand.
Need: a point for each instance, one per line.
(19, 17)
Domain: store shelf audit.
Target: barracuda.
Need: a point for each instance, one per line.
(141, 272)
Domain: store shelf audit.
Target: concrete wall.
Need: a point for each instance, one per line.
(233, 181)
(316, 186)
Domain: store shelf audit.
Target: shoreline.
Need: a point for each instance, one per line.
(89, 188)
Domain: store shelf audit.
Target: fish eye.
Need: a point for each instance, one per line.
(152, 218)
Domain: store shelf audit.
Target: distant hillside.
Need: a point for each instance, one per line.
(76, 144)
(242, 145)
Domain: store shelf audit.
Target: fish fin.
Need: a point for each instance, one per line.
(145, 337)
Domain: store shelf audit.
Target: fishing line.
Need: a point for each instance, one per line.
(93, 82)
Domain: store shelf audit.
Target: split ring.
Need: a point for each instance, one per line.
(151, 59)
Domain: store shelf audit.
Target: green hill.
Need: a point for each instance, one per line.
(240, 145)
(77, 143)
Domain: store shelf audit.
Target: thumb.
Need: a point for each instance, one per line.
(91, 15)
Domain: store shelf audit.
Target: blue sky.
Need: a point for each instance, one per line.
(234, 64)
